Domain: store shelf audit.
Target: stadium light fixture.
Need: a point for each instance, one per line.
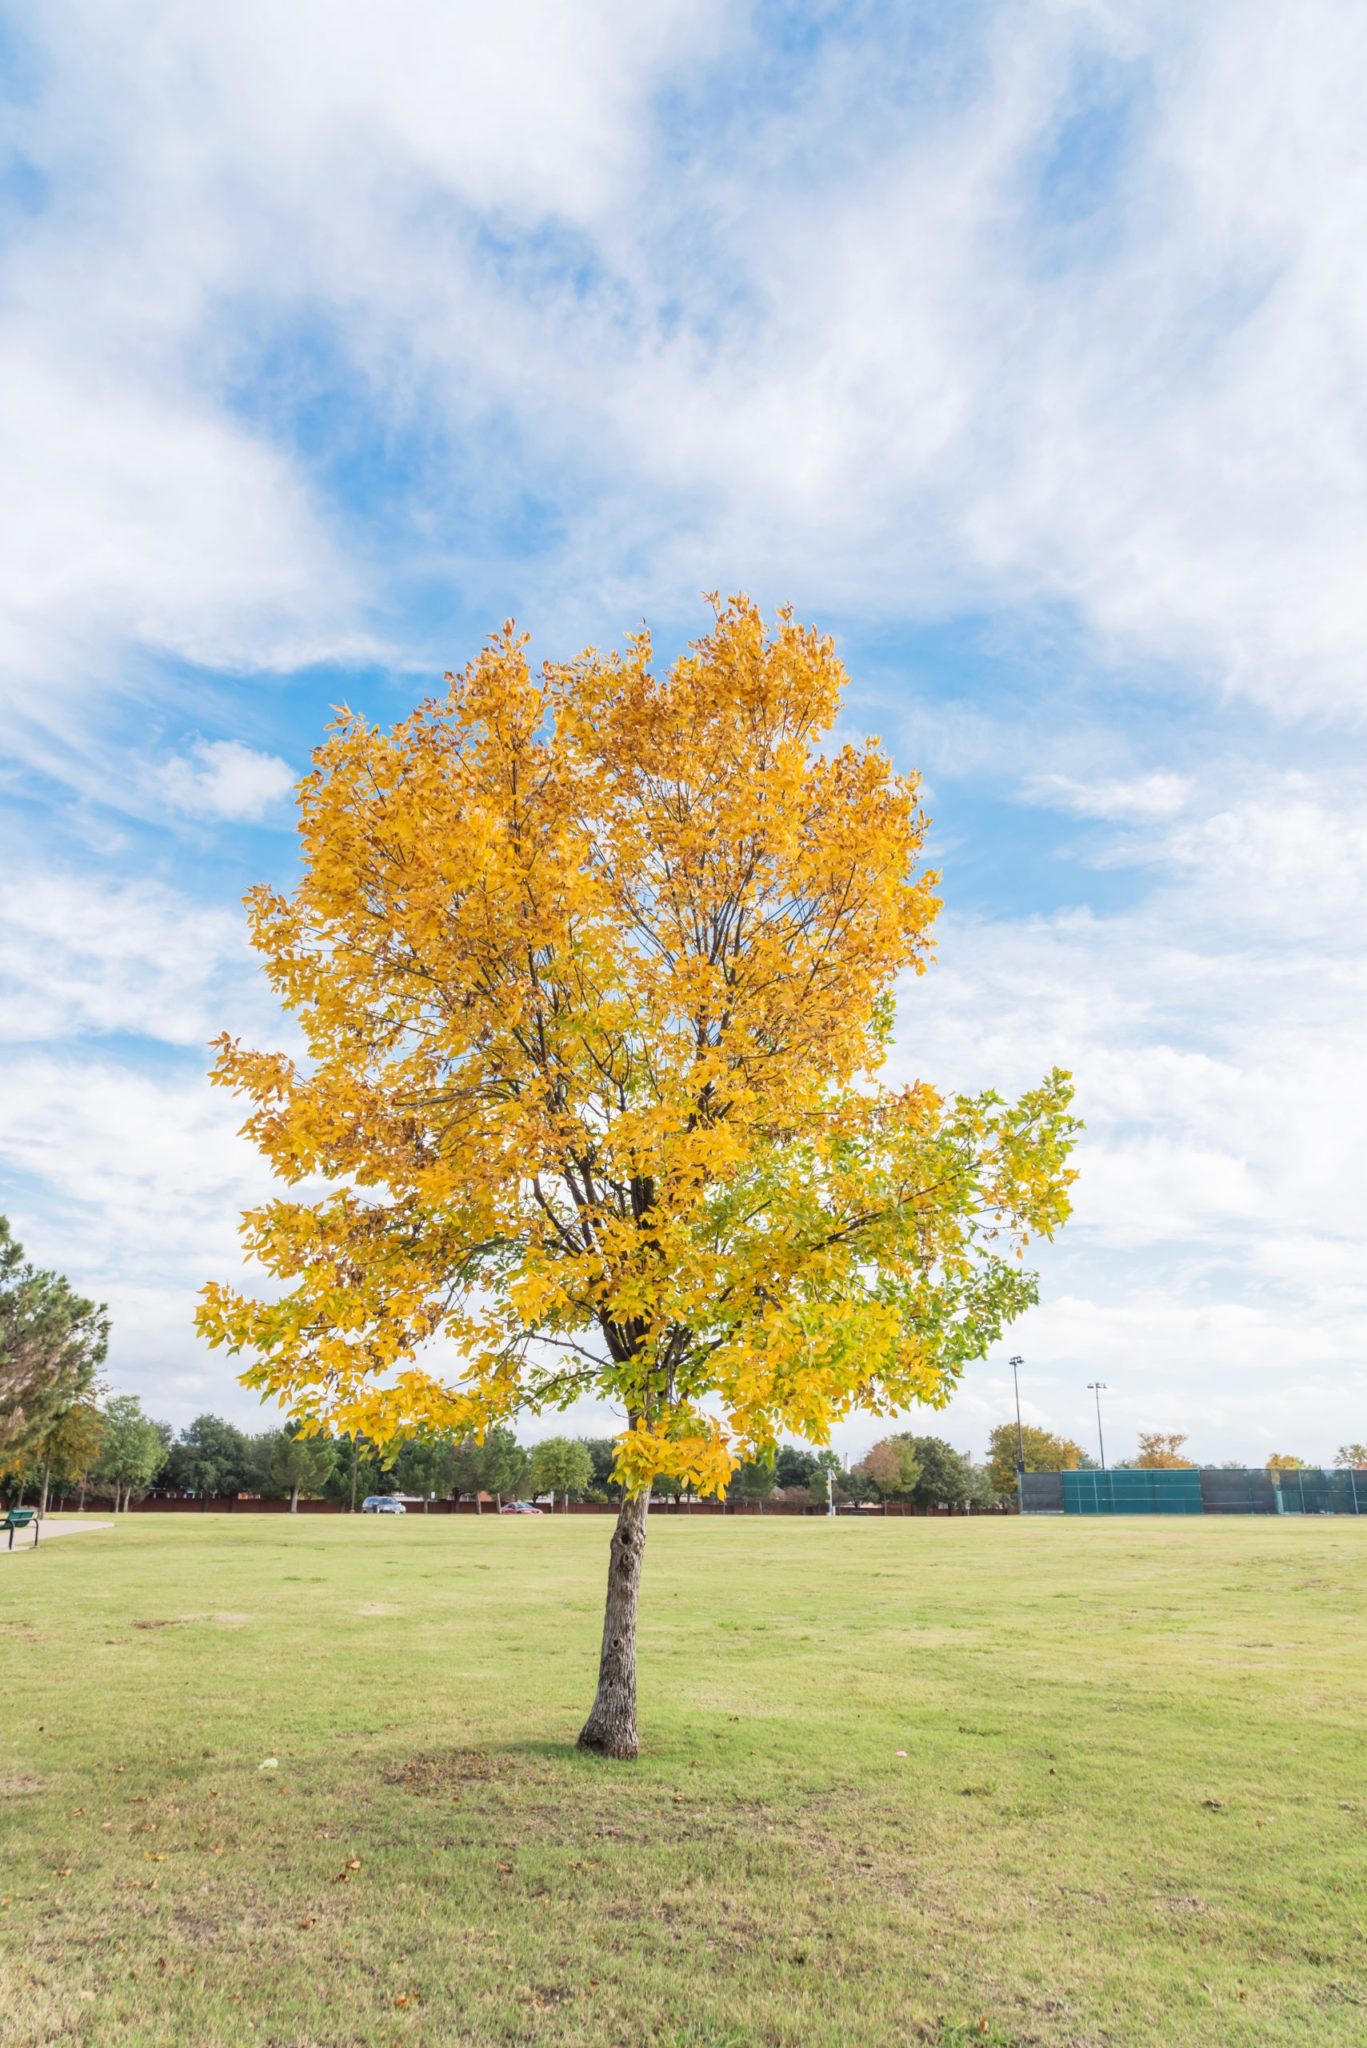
(1099, 1387)
(1016, 1364)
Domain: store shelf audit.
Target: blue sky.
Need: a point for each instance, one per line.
(1023, 347)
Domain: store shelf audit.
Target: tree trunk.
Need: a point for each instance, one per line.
(355, 1462)
(611, 1728)
(42, 1502)
(294, 1500)
(80, 1500)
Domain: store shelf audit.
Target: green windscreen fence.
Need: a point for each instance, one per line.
(1222, 1490)
(1132, 1493)
(1321, 1493)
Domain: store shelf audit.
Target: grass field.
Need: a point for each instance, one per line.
(1132, 1809)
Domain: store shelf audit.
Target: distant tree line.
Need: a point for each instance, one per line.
(61, 1436)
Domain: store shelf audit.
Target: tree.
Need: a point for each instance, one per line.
(1282, 1461)
(752, 1480)
(891, 1468)
(1354, 1456)
(427, 1466)
(560, 1464)
(1159, 1453)
(359, 1470)
(603, 1457)
(944, 1477)
(982, 1487)
(301, 1464)
(133, 1452)
(594, 972)
(52, 1343)
(211, 1458)
(71, 1449)
(794, 1466)
(497, 1466)
(1043, 1451)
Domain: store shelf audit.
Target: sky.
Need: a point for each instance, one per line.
(1022, 347)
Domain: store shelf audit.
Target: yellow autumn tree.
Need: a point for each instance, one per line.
(1161, 1452)
(594, 973)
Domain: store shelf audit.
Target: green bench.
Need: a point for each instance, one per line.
(19, 1518)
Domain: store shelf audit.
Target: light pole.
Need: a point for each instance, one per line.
(1099, 1387)
(1016, 1364)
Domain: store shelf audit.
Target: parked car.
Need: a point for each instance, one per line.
(519, 1507)
(382, 1504)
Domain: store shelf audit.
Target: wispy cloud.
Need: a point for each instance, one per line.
(222, 779)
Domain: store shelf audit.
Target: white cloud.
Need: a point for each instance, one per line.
(132, 1183)
(85, 956)
(223, 779)
(1136, 799)
(138, 522)
(213, 175)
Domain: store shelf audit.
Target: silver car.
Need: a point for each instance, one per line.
(382, 1504)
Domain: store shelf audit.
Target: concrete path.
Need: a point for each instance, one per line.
(23, 1538)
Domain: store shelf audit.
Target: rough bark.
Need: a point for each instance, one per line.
(611, 1728)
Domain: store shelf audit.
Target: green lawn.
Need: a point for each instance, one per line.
(1132, 1809)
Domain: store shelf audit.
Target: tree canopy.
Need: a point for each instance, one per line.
(1161, 1453)
(211, 1457)
(1041, 1449)
(588, 967)
(134, 1449)
(495, 1464)
(560, 1464)
(52, 1343)
(301, 1464)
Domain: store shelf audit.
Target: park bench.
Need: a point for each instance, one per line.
(19, 1518)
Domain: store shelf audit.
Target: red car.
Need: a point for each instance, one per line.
(519, 1507)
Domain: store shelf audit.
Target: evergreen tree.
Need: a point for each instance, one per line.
(301, 1464)
(52, 1343)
